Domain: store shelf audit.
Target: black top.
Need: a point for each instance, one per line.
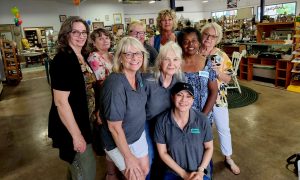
(66, 75)
(120, 102)
(152, 54)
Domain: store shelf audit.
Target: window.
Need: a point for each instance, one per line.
(277, 9)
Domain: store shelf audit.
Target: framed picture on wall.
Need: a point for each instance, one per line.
(117, 18)
(109, 28)
(143, 20)
(127, 20)
(106, 17)
(97, 25)
(151, 21)
(62, 18)
(231, 4)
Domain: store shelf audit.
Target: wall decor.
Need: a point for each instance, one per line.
(109, 28)
(143, 20)
(127, 20)
(62, 18)
(117, 18)
(231, 4)
(106, 17)
(97, 25)
(151, 20)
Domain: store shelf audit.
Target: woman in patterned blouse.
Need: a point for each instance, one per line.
(211, 35)
(101, 62)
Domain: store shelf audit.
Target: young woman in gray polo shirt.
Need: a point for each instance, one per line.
(183, 137)
(158, 84)
(122, 105)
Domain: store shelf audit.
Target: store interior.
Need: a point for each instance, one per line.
(265, 132)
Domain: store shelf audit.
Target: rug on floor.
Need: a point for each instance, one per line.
(236, 100)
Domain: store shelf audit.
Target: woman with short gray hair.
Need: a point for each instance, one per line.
(221, 64)
(158, 84)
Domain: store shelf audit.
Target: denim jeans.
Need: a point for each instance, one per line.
(83, 166)
(172, 176)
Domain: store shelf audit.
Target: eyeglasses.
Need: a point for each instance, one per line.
(130, 55)
(187, 42)
(209, 35)
(138, 33)
(78, 33)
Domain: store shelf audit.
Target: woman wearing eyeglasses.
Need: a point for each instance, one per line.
(122, 108)
(137, 29)
(211, 36)
(73, 101)
(166, 24)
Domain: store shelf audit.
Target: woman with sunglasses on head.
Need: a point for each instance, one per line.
(221, 64)
(122, 108)
(73, 103)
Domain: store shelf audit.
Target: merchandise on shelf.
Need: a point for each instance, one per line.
(12, 66)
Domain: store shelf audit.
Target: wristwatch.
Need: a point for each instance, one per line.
(202, 169)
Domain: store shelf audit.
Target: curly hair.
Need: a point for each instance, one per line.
(163, 14)
(98, 33)
(64, 34)
(186, 31)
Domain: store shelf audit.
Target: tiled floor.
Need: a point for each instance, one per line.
(264, 134)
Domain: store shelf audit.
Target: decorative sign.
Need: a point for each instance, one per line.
(231, 4)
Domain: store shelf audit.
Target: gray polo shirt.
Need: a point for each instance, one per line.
(186, 147)
(158, 97)
(119, 102)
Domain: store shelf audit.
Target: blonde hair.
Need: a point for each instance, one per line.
(136, 23)
(164, 13)
(163, 51)
(123, 47)
(216, 27)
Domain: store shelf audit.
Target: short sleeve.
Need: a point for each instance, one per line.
(60, 73)
(113, 99)
(159, 132)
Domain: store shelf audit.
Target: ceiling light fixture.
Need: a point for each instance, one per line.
(151, 2)
(205, 1)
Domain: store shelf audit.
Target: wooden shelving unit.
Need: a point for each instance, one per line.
(12, 66)
(32, 37)
(295, 69)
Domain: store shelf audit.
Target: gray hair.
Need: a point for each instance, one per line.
(163, 51)
(136, 23)
(122, 47)
(216, 27)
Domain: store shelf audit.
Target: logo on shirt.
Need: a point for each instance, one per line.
(195, 131)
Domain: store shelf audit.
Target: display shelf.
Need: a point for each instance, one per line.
(12, 66)
(295, 70)
(32, 37)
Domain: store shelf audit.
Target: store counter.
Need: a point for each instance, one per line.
(33, 57)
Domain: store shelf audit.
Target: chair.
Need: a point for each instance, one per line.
(236, 59)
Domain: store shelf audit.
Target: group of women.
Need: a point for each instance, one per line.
(148, 118)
